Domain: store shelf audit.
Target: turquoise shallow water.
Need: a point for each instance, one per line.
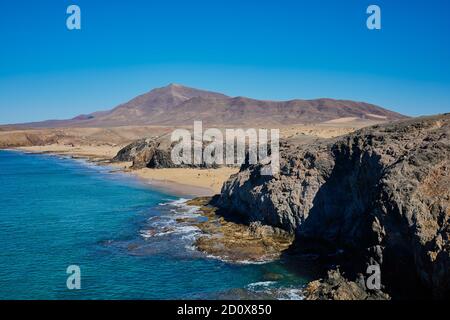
(56, 212)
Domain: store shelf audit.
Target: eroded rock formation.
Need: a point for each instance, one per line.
(381, 195)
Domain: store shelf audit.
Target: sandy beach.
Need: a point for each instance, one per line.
(179, 181)
(101, 145)
(195, 182)
(90, 152)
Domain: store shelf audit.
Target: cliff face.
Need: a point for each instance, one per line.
(381, 194)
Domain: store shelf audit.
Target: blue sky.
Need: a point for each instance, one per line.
(261, 49)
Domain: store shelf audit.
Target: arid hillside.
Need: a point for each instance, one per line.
(179, 105)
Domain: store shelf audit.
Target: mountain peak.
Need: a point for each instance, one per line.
(183, 93)
(175, 85)
(176, 104)
(170, 87)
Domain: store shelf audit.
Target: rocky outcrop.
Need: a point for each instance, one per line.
(381, 194)
(149, 152)
(155, 153)
(337, 287)
(152, 152)
(232, 241)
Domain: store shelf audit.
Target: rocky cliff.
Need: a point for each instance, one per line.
(379, 196)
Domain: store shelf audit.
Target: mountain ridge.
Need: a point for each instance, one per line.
(176, 104)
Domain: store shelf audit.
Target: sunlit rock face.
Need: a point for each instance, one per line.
(381, 194)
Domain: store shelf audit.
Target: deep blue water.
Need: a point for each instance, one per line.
(56, 212)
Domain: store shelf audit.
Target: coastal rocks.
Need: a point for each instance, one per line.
(337, 287)
(381, 195)
(236, 242)
(154, 153)
(149, 152)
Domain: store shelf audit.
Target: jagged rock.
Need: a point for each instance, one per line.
(382, 194)
(152, 152)
(337, 287)
(139, 152)
(155, 153)
(236, 242)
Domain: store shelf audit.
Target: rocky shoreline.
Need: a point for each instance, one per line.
(236, 242)
(377, 197)
(336, 287)
(380, 196)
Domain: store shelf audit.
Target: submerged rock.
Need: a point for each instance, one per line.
(380, 194)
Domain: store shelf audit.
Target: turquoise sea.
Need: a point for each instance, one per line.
(56, 212)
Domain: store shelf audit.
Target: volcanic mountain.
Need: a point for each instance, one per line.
(179, 105)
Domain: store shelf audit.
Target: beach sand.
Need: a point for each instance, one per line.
(195, 182)
(179, 181)
(91, 152)
(100, 145)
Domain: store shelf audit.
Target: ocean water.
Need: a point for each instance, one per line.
(124, 236)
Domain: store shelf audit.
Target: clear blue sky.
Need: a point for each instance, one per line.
(262, 49)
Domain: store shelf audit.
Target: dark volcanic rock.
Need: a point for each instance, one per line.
(139, 152)
(150, 152)
(154, 153)
(382, 194)
(337, 287)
